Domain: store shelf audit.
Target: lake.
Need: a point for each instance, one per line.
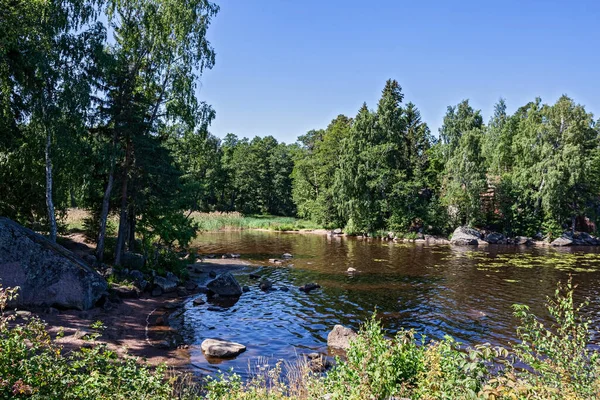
(465, 292)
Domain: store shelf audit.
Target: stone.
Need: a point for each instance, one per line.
(338, 231)
(48, 274)
(225, 285)
(340, 337)
(234, 255)
(90, 259)
(245, 289)
(465, 236)
(190, 286)
(265, 285)
(254, 276)
(198, 301)
(351, 270)
(221, 348)
(157, 291)
(212, 274)
(309, 287)
(181, 291)
(562, 241)
(274, 261)
(132, 260)
(317, 362)
(166, 285)
(125, 292)
(495, 238)
(287, 256)
(284, 289)
(523, 241)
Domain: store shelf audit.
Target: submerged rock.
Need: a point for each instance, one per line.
(309, 286)
(47, 273)
(265, 285)
(221, 348)
(465, 236)
(225, 285)
(340, 337)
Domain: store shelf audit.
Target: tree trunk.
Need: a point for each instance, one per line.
(106, 203)
(132, 221)
(49, 201)
(123, 214)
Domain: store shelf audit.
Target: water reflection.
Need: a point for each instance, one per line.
(437, 290)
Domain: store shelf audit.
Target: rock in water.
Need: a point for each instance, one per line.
(495, 238)
(225, 285)
(47, 273)
(562, 241)
(464, 236)
(309, 287)
(340, 337)
(222, 348)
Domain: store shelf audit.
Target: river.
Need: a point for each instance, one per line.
(464, 292)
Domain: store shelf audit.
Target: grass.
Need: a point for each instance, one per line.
(219, 221)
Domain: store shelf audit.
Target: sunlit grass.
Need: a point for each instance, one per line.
(219, 221)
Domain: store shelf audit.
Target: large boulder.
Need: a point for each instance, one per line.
(340, 337)
(465, 236)
(166, 285)
(225, 285)
(221, 348)
(47, 273)
(132, 260)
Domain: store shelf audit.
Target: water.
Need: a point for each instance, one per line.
(437, 290)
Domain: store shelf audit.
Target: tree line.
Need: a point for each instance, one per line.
(98, 109)
(535, 172)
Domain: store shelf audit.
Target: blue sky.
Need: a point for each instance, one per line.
(284, 67)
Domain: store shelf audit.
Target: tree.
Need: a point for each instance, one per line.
(159, 52)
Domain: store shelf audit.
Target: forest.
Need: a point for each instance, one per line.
(100, 112)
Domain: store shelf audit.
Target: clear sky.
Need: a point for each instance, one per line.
(284, 67)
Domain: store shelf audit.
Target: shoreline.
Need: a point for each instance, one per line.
(144, 327)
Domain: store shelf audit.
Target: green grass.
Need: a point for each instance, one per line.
(218, 221)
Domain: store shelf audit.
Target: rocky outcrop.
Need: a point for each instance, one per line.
(225, 285)
(221, 348)
(465, 236)
(340, 337)
(576, 239)
(47, 273)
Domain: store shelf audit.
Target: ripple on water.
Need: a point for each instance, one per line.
(437, 291)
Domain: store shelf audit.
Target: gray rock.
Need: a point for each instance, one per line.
(254, 276)
(157, 291)
(340, 337)
(125, 292)
(166, 285)
(245, 289)
(47, 273)
(198, 301)
(90, 259)
(265, 285)
(181, 291)
(225, 285)
(495, 238)
(284, 289)
(287, 256)
(465, 236)
(309, 287)
(221, 348)
(351, 270)
(132, 260)
(172, 277)
(338, 231)
(562, 241)
(523, 241)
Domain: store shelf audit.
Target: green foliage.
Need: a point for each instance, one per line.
(33, 366)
